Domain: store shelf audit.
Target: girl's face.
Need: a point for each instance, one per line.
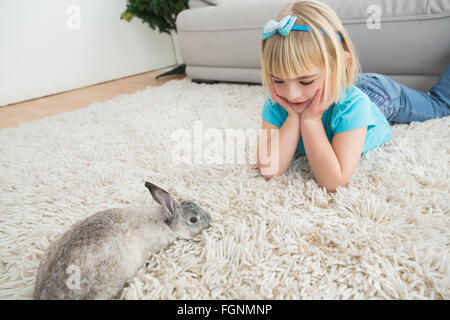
(299, 92)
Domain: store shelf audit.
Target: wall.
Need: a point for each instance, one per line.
(51, 46)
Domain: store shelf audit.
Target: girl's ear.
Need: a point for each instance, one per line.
(348, 57)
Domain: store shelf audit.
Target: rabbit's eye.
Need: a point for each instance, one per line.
(193, 220)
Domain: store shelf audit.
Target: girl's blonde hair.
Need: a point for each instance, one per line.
(299, 52)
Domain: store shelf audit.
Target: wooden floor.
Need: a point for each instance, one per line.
(12, 115)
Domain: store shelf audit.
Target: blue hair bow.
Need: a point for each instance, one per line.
(284, 26)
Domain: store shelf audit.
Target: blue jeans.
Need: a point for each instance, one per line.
(401, 104)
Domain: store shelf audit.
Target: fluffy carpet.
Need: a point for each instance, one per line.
(384, 236)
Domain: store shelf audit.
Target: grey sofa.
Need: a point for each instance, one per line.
(219, 40)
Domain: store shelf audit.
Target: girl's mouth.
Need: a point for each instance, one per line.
(301, 104)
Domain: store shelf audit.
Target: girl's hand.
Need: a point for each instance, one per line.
(317, 106)
(292, 111)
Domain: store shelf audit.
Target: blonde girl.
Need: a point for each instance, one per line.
(319, 103)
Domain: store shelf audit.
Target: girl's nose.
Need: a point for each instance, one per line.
(293, 93)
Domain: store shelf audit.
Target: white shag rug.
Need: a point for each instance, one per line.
(384, 236)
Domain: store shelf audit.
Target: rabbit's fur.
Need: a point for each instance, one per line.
(96, 257)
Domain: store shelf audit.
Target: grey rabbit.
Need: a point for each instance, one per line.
(98, 255)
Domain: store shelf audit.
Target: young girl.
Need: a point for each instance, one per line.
(321, 105)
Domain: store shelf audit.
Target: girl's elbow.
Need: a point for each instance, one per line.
(329, 187)
(268, 176)
(268, 173)
(333, 185)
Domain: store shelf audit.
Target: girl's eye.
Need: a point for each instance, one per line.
(277, 81)
(306, 83)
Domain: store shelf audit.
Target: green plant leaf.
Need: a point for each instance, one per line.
(158, 14)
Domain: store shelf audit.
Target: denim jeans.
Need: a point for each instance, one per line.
(401, 104)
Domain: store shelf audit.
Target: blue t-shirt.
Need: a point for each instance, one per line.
(353, 110)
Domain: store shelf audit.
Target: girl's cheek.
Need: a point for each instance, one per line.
(315, 88)
(278, 89)
(317, 85)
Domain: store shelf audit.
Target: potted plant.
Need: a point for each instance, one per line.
(159, 15)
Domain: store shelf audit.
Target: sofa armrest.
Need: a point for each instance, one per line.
(199, 3)
(205, 3)
(222, 2)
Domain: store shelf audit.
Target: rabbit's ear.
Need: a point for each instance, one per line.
(163, 198)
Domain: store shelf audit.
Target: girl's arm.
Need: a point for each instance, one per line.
(276, 146)
(332, 164)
